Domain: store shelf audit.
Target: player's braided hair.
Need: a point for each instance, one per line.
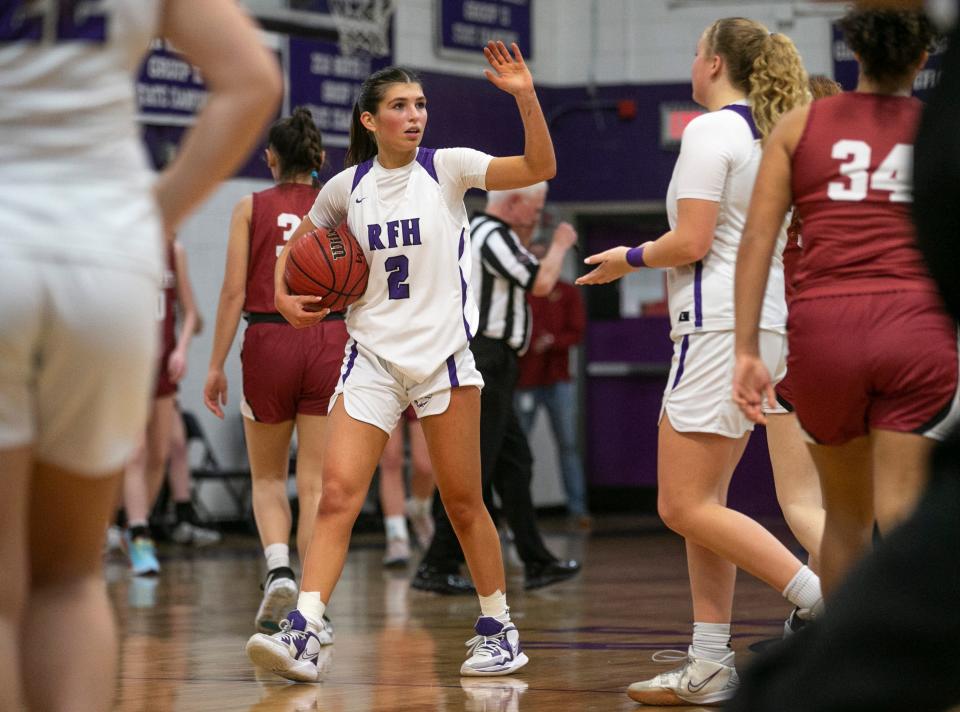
(889, 43)
(296, 142)
(765, 66)
(362, 144)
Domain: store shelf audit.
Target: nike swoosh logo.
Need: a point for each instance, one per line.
(696, 687)
(360, 200)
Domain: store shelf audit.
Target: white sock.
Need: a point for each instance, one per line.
(495, 606)
(277, 555)
(311, 608)
(803, 591)
(711, 641)
(396, 527)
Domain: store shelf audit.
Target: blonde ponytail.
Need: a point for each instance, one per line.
(778, 83)
(763, 65)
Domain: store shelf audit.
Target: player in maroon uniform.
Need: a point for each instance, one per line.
(873, 355)
(795, 475)
(143, 475)
(288, 374)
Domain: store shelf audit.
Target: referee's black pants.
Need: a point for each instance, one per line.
(505, 461)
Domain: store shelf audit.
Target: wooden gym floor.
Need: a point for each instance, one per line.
(397, 649)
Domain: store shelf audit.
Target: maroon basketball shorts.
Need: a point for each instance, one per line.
(785, 392)
(289, 371)
(165, 387)
(884, 361)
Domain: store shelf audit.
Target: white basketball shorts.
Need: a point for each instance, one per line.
(77, 360)
(375, 391)
(699, 393)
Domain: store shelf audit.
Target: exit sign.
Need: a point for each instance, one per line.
(674, 118)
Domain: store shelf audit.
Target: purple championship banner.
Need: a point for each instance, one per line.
(465, 26)
(170, 90)
(327, 82)
(846, 69)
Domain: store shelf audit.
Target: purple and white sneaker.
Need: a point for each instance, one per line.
(292, 653)
(494, 650)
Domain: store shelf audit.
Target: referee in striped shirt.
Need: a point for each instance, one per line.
(503, 271)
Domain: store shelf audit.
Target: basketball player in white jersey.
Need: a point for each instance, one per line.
(82, 220)
(409, 343)
(746, 77)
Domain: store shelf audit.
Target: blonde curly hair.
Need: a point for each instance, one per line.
(766, 66)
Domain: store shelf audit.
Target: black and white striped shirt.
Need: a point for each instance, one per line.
(503, 271)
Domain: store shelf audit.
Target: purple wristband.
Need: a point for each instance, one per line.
(635, 257)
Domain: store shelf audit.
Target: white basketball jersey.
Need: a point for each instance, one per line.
(418, 309)
(74, 179)
(719, 158)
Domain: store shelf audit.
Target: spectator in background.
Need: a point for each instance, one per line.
(558, 321)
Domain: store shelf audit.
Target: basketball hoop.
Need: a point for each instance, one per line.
(362, 25)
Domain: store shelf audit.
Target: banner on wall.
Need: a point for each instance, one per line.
(170, 90)
(465, 26)
(846, 69)
(327, 83)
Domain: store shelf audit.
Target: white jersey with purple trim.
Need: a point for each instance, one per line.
(67, 113)
(719, 158)
(418, 309)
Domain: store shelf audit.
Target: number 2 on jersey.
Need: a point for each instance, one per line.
(398, 269)
(894, 175)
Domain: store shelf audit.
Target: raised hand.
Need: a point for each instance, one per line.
(510, 73)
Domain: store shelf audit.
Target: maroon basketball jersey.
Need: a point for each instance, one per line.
(853, 190)
(276, 214)
(166, 309)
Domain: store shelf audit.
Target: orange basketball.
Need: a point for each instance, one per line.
(328, 263)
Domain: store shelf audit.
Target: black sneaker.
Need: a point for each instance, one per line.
(545, 573)
(431, 578)
(794, 623)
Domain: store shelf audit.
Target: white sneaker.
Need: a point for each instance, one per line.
(296, 652)
(494, 650)
(397, 554)
(186, 533)
(279, 598)
(697, 682)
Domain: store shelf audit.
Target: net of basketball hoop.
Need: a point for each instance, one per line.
(363, 26)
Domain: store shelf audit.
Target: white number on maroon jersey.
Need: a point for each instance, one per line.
(894, 175)
(289, 223)
(856, 160)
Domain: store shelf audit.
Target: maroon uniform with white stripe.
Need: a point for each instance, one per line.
(286, 371)
(870, 344)
(167, 321)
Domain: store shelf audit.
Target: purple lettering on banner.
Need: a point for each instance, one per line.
(373, 237)
(411, 231)
(393, 232)
(465, 27)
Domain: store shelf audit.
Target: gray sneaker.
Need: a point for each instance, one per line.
(188, 534)
(697, 682)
